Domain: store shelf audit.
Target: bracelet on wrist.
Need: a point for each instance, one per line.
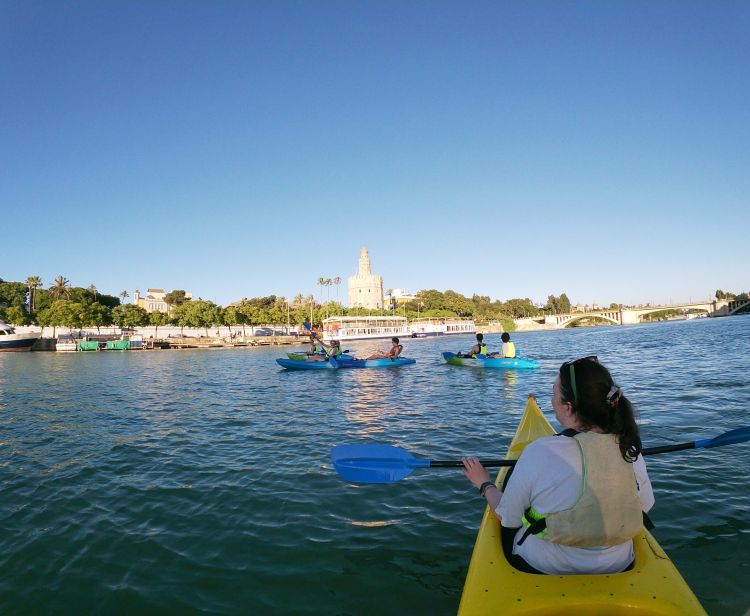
(485, 486)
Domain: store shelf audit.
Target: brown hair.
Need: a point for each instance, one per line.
(598, 402)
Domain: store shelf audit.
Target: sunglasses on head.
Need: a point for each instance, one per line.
(571, 365)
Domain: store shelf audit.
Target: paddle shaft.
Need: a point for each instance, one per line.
(458, 463)
(650, 451)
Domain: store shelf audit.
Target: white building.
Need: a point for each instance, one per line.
(153, 301)
(365, 289)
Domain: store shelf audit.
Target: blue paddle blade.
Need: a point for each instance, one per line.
(374, 463)
(333, 362)
(307, 326)
(739, 435)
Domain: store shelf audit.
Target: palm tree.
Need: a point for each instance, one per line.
(328, 282)
(321, 282)
(33, 282)
(337, 282)
(93, 289)
(60, 288)
(123, 295)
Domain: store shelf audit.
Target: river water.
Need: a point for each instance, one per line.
(199, 481)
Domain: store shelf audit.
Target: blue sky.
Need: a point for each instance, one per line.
(240, 148)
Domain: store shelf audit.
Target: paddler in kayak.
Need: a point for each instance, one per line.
(507, 350)
(480, 348)
(391, 353)
(555, 519)
(330, 350)
(315, 347)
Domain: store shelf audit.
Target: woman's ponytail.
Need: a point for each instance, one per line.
(599, 402)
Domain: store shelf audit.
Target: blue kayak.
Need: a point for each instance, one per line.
(520, 363)
(377, 363)
(305, 364)
(343, 362)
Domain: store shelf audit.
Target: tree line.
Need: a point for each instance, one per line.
(61, 304)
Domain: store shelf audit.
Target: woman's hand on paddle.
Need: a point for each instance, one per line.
(474, 471)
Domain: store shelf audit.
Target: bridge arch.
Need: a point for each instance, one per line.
(582, 316)
(738, 305)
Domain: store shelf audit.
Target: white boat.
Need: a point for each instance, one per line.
(11, 341)
(66, 343)
(440, 326)
(364, 328)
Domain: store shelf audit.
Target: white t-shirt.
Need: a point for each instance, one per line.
(548, 477)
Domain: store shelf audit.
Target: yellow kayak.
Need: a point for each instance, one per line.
(652, 586)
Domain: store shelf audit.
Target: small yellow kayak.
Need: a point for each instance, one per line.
(652, 586)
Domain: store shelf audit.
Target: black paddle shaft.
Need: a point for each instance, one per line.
(650, 451)
(459, 463)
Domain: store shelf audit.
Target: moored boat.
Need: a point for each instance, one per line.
(12, 341)
(425, 327)
(66, 343)
(492, 586)
(521, 363)
(365, 328)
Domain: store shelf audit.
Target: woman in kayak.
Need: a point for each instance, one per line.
(555, 518)
(330, 350)
(391, 353)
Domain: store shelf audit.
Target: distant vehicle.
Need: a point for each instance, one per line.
(263, 331)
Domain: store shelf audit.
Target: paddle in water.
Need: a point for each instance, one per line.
(388, 464)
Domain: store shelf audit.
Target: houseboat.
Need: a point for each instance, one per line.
(364, 328)
(440, 326)
(11, 341)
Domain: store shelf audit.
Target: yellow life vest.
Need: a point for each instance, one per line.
(607, 513)
(510, 350)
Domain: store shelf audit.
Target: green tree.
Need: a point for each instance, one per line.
(13, 293)
(129, 315)
(157, 319)
(17, 315)
(96, 315)
(175, 298)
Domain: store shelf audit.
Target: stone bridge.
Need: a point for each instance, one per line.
(630, 316)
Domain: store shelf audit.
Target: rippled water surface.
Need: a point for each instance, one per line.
(199, 481)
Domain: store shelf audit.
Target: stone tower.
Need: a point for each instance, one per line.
(365, 290)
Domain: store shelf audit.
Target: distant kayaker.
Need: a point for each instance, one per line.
(330, 350)
(391, 353)
(315, 348)
(479, 348)
(555, 519)
(508, 349)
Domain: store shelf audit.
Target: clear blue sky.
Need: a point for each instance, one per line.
(235, 149)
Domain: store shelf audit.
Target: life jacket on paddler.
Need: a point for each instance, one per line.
(482, 349)
(607, 513)
(334, 351)
(314, 348)
(510, 349)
